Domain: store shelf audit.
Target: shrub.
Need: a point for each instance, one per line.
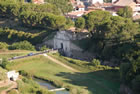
(3, 75)
(43, 48)
(26, 74)
(23, 45)
(4, 62)
(13, 91)
(95, 62)
(3, 45)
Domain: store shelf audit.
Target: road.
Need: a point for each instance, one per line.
(34, 54)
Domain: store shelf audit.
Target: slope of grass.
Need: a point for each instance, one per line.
(3, 88)
(98, 82)
(27, 86)
(13, 53)
(3, 75)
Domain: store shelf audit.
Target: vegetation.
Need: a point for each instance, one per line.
(23, 45)
(64, 5)
(13, 53)
(110, 36)
(4, 63)
(13, 91)
(3, 45)
(3, 88)
(43, 48)
(8, 35)
(32, 15)
(81, 65)
(80, 23)
(125, 12)
(42, 20)
(2, 74)
(64, 77)
(118, 38)
(96, 62)
(26, 86)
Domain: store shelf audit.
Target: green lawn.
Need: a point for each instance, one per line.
(97, 82)
(13, 53)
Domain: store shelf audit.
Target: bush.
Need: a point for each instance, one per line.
(13, 91)
(26, 74)
(4, 62)
(95, 62)
(3, 75)
(23, 45)
(3, 45)
(27, 86)
(43, 48)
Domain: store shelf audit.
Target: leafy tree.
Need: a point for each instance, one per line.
(80, 23)
(13, 91)
(95, 19)
(43, 48)
(4, 62)
(64, 5)
(95, 62)
(3, 45)
(125, 12)
(23, 45)
(69, 23)
(10, 35)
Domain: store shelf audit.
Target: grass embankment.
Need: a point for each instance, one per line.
(4, 88)
(96, 82)
(2, 74)
(13, 53)
(27, 86)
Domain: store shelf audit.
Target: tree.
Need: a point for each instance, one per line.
(43, 48)
(125, 12)
(3, 45)
(95, 19)
(23, 45)
(4, 62)
(95, 62)
(80, 23)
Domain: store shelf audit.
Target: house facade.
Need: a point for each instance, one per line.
(64, 41)
(12, 75)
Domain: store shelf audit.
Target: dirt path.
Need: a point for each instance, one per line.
(60, 63)
(13, 86)
(5, 83)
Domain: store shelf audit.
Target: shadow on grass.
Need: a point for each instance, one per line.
(99, 82)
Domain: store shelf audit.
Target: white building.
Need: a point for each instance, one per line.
(63, 40)
(12, 75)
(96, 1)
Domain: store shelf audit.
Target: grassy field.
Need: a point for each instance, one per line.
(96, 82)
(13, 53)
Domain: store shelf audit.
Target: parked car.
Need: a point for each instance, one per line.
(30, 54)
(14, 57)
